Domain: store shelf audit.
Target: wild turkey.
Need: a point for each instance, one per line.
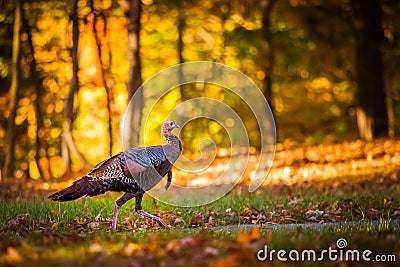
(134, 171)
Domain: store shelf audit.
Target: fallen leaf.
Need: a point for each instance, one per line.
(95, 248)
(246, 212)
(94, 225)
(131, 248)
(312, 219)
(396, 213)
(177, 220)
(252, 235)
(54, 226)
(296, 201)
(188, 241)
(13, 255)
(228, 260)
(211, 251)
(55, 211)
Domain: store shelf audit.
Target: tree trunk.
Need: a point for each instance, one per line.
(390, 112)
(266, 6)
(180, 45)
(13, 93)
(102, 49)
(37, 82)
(372, 111)
(134, 112)
(181, 25)
(68, 142)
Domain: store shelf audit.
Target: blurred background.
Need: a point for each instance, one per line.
(329, 69)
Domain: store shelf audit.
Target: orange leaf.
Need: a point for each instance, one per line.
(252, 235)
(54, 226)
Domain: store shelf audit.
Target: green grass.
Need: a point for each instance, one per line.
(190, 248)
(34, 230)
(277, 204)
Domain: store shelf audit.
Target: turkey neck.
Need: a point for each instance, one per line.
(173, 147)
(173, 140)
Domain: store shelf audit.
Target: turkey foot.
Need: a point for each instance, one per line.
(153, 217)
(139, 210)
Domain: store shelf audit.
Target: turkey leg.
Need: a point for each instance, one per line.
(118, 204)
(139, 209)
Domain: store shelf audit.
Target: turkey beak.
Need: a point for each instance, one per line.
(176, 126)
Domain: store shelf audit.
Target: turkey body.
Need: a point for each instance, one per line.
(133, 171)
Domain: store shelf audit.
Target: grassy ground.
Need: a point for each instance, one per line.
(35, 231)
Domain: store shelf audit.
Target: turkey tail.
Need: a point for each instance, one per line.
(80, 188)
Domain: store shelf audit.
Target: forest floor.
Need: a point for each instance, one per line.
(355, 181)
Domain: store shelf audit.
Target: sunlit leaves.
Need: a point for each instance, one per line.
(312, 46)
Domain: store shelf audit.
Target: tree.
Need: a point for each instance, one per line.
(133, 118)
(181, 26)
(266, 6)
(372, 114)
(68, 142)
(13, 92)
(104, 52)
(37, 82)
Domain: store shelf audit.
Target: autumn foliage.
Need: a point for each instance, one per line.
(314, 86)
